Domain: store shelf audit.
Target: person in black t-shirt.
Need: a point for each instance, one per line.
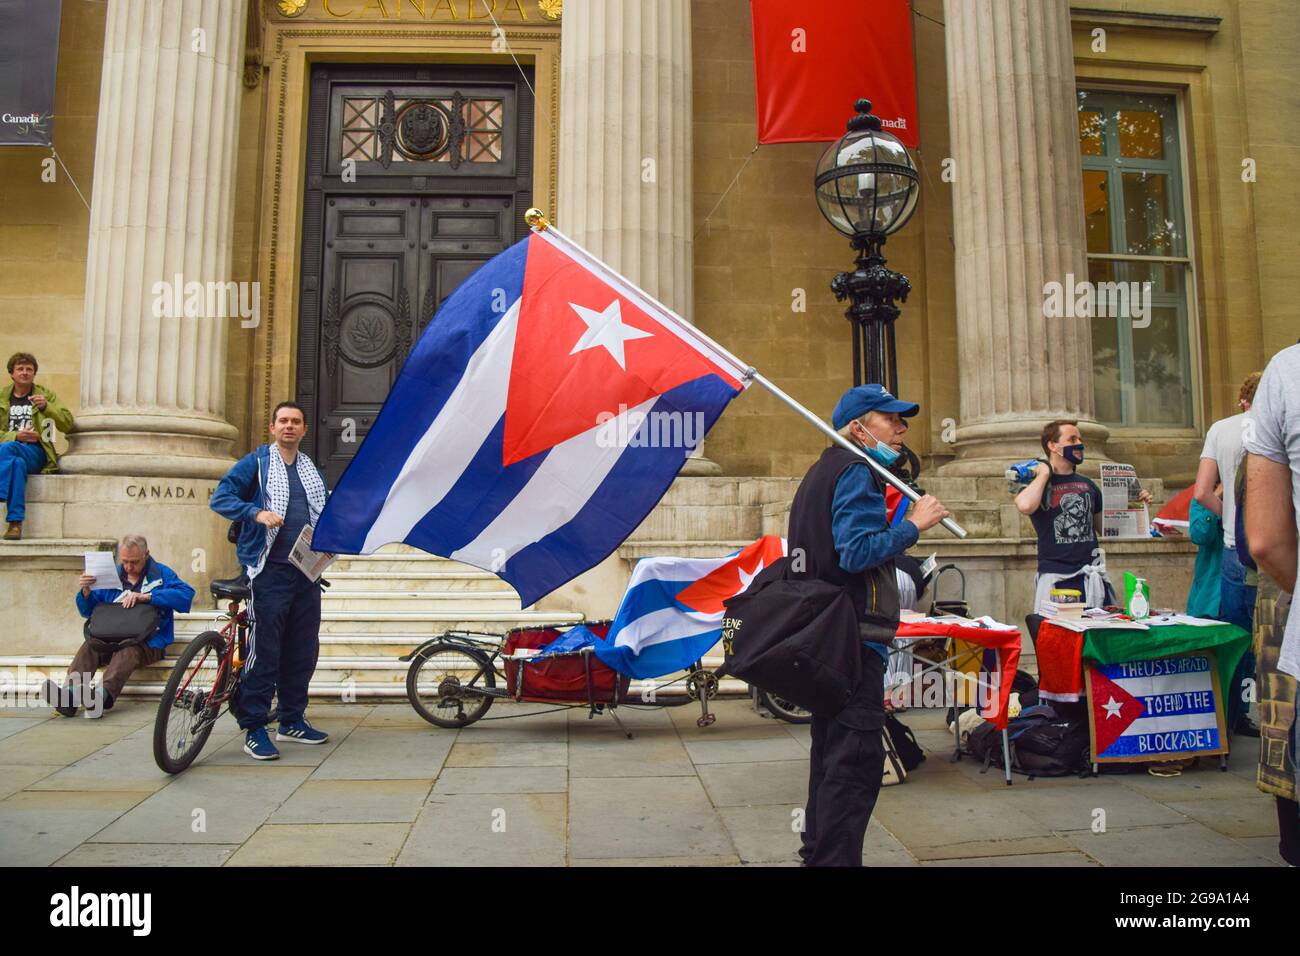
(1065, 510)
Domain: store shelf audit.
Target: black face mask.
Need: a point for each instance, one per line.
(1073, 454)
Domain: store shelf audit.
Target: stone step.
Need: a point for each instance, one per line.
(501, 600)
(415, 580)
(405, 622)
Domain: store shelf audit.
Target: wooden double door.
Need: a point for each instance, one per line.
(416, 176)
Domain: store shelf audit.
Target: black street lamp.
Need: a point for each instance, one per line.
(867, 188)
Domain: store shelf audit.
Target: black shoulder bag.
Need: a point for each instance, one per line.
(795, 637)
(112, 627)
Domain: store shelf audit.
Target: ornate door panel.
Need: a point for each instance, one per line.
(416, 176)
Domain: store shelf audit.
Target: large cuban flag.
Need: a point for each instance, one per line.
(542, 414)
(672, 612)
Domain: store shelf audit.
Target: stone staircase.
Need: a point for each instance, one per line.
(377, 608)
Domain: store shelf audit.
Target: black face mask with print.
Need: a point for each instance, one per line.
(1073, 454)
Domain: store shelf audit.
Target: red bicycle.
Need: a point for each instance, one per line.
(204, 683)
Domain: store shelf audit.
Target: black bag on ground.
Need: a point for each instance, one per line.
(1043, 743)
(909, 751)
(795, 638)
(112, 626)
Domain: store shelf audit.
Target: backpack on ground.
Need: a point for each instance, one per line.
(1042, 743)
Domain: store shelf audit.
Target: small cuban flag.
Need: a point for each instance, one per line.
(541, 416)
(672, 612)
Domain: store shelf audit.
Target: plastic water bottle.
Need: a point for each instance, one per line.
(1021, 473)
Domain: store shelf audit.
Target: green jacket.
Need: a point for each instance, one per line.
(54, 411)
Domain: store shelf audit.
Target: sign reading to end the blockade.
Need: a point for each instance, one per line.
(1156, 709)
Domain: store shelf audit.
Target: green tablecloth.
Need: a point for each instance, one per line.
(1112, 646)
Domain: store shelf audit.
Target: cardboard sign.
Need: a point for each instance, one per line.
(1158, 709)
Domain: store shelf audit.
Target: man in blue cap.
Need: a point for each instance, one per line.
(839, 527)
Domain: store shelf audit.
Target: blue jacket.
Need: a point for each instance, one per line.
(240, 495)
(170, 596)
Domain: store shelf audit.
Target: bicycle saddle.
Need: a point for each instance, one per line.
(231, 589)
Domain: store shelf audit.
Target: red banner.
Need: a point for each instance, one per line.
(813, 59)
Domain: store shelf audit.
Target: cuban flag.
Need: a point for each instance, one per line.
(672, 612)
(1147, 709)
(542, 414)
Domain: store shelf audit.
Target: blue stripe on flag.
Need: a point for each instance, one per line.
(629, 492)
(658, 659)
(430, 374)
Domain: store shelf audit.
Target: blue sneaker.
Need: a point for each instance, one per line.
(257, 744)
(301, 732)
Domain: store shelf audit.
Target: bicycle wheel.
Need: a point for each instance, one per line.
(184, 718)
(442, 685)
(787, 711)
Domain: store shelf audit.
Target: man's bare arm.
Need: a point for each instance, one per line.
(1207, 476)
(1270, 519)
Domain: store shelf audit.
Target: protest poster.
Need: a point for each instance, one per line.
(1123, 514)
(1160, 709)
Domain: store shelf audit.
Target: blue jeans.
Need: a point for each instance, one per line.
(18, 459)
(1237, 606)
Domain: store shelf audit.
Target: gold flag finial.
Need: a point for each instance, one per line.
(537, 219)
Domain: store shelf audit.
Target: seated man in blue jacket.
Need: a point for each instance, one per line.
(275, 492)
(144, 581)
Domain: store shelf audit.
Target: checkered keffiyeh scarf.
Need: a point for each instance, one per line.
(277, 490)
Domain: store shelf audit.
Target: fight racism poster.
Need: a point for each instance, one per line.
(29, 60)
(1157, 709)
(812, 61)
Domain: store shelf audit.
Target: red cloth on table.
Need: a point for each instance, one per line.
(1005, 642)
(1060, 662)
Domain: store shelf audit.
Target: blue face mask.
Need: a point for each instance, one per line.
(881, 452)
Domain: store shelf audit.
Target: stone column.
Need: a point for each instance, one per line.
(1018, 224)
(625, 145)
(153, 387)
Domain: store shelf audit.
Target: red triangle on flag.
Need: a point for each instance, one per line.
(1113, 710)
(584, 351)
(727, 580)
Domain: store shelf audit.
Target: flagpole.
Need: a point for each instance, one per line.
(538, 221)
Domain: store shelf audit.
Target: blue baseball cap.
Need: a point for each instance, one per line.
(861, 399)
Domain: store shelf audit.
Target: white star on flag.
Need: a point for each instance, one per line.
(1113, 707)
(606, 330)
(746, 578)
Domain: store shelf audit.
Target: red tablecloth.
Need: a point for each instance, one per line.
(1005, 642)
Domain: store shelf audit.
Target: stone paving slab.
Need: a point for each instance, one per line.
(62, 740)
(354, 801)
(36, 828)
(148, 854)
(654, 752)
(234, 800)
(14, 778)
(1181, 845)
(751, 784)
(499, 829)
(660, 861)
(547, 754)
(387, 753)
(323, 844)
(125, 764)
(751, 750)
(1244, 816)
(1072, 806)
(643, 817)
(501, 780)
(12, 725)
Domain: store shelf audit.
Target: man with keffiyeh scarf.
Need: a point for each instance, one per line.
(274, 492)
